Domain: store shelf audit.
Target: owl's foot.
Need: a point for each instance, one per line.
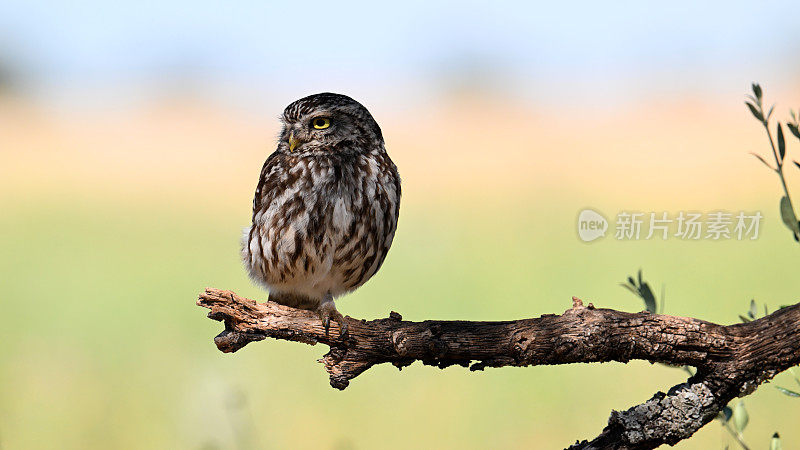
(327, 311)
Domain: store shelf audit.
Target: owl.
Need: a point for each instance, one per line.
(326, 206)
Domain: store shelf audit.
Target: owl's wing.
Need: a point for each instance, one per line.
(269, 182)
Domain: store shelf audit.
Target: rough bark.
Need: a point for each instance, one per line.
(731, 360)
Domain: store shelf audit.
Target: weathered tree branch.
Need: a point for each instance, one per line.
(731, 360)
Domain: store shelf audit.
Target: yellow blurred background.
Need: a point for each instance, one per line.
(131, 138)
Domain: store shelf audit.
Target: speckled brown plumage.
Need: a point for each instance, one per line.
(326, 206)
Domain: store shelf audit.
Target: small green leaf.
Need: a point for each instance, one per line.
(793, 128)
(744, 319)
(630, 280)
(757, 90)
(769, 114)
(765, 162)
(740, 417)
(640, 278)
(775, 442)
(788, 392)
(755, 112)
(753, 311)
(725, 414)
(781, 143)
(787, 214)
(648, 297)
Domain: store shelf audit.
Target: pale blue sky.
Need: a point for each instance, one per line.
(246, 49)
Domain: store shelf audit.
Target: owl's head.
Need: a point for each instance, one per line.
(328, 123)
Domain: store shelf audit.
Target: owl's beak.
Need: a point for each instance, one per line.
(292, 141)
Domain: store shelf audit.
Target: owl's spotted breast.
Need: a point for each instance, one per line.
(322, 224)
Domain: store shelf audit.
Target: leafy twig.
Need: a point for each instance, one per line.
(756, 107)
(641, 289)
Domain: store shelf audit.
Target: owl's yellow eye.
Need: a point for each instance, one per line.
(320, 123)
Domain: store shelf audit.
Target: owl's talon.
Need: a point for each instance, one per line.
(327, 311)
(344, 330)
(326, 322)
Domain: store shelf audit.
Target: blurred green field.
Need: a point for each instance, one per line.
(105, 348)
